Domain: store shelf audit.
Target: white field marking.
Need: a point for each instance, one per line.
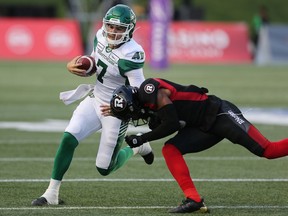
(31, 142)
(187, 158)
(135, 207)
(141, 180)
(53, 125)
(28, 159)
(270, 116)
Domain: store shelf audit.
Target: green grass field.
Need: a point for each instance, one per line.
(232, 181)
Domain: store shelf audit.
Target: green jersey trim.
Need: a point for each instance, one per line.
(126, 65)
(95, 43)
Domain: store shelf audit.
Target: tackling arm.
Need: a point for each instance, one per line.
(168, 117)
(169, 124)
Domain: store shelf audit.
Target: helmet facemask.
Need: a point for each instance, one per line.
(116, 38)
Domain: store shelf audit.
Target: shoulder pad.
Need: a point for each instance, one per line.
(132, 51)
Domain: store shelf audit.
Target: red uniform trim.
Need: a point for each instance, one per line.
(178, 95)
(258, 137)
(193, 96)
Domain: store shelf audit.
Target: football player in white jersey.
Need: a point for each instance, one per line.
(119, 60)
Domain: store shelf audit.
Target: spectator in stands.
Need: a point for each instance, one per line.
(188, 11)
(260, 19)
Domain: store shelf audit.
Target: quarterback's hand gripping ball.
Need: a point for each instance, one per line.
(88, 64)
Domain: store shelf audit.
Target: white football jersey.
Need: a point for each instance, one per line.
(116, 67)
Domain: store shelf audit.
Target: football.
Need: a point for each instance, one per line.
(88, 64)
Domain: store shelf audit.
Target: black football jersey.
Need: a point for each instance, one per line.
(191, 102)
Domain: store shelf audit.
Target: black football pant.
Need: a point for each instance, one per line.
(229, 124)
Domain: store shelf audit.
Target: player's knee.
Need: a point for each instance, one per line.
(168, 149)
(269, 152)
(103, 172)
(69, 141)
(258, 151)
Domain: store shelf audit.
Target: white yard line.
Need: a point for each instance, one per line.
(188, 158)
(52, 125)
(143, 180)
(58, 208)
(270, 116)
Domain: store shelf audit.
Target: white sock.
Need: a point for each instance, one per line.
(54, 184)
(52, 192)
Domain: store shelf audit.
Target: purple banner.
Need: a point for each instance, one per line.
(160, 16)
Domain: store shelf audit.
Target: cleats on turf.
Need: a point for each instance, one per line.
(42, 201)
(188, 205)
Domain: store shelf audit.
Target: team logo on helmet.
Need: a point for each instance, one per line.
(119, 103)
(149, 88)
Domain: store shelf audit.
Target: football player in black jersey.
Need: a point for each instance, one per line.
(200, 120)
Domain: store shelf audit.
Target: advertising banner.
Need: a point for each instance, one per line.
(209, 42)
(201, 42)
(39, 39)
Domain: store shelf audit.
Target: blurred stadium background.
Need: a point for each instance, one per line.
(222, 28)
(39, 37)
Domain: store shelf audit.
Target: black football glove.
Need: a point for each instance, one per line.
(134, 141)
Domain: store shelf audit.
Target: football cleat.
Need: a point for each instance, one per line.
(146, 152)
(188, 205)
(42, 201)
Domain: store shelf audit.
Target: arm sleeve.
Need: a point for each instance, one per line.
(95, 42)
(169, 124)
(135, 77)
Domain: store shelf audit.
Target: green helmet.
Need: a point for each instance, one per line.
(123, 17)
